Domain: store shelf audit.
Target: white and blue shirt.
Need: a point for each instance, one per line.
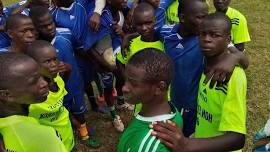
(4, 38)
(64, 44)
(188, 65)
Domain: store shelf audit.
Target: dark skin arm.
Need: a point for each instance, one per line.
(99, 60)
(240, 46)
(19, 9)
(126, 42)
(221, 72)
(170, 135)
(64, 70)
(2, 146)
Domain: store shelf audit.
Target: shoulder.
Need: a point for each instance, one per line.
(235, 14)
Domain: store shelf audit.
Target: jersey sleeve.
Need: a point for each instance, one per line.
(233, 116)
(241, 34)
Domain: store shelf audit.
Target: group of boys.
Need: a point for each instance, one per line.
(186, 78)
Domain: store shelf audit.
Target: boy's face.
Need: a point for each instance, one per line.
(47, 59)
(145, 24)
(154, 3)
(193, 18)
(46, 26)
(136, 88)
(213, 38)
(24, 33)
(221, 5)
(28, 86)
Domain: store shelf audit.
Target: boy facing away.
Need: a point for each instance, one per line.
(148, 76)
(22, 85)
(221, 116)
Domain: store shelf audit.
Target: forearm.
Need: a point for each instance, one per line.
(241, 57)
(100, 4)
(227, 142)
(18, 10)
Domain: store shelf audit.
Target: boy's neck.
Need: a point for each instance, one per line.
(183, 32)
(224, 11)
(153, 38)
(212, 61)
(17, 48)
(13, 109)
(155, 108)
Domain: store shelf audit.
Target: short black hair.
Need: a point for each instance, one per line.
(143, 7)
(34, 49)
(7, 61)
(13, 21)
(218, 16)
(185, 5)
(37, 12)
(157, 65)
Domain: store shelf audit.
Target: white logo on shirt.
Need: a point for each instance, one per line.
(179, 46)
(71, 17)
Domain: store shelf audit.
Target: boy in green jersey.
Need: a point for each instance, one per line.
(148, 76)
(51, 112)
(221, 110)
(239, 31)
(22, 85)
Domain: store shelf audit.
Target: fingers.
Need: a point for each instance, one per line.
(208, 76)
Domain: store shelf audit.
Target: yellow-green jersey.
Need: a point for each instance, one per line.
(52, 113)
(172, 13)
(136, 45)
(137, 137)
(223, 108)
(239, 32)
(25, 134)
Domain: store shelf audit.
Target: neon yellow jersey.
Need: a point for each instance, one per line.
(222, 109)
(52, 113)
(25, 134)
(239, 32)
(172, 13)
(136, 45)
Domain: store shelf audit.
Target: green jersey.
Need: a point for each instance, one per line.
(25, 134)
(52, 113)
(137, 137)
(136, 45)
(239, 32)
(223, 108)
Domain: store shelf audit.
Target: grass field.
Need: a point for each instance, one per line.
(257, 13)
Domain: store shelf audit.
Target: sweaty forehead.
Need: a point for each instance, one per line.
(143, 16)
(213, 25)
(135, 73)
(22, 22)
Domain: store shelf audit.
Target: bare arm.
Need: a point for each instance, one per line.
(20, 8)
(94, 20)
(242, 58)
(170, 135)
(240, 46)
(2, 146)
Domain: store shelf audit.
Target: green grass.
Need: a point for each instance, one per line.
(257, 13)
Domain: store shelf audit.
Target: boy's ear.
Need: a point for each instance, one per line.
(5, 95)
(161, 88)
(9, 33)
(181, 17)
